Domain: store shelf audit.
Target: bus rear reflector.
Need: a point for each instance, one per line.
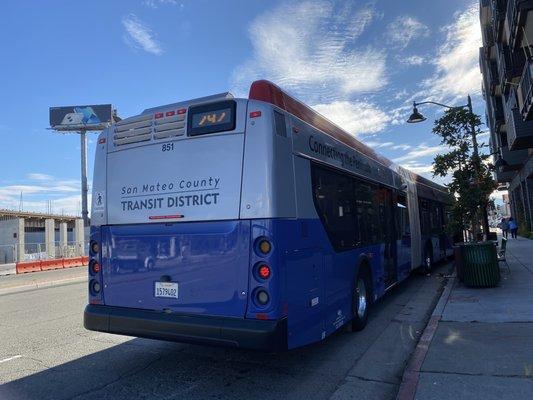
(165, 216)
(255, 114)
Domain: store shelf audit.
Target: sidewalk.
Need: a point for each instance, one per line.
(483, 345)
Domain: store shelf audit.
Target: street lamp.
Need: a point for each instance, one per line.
(416, 117)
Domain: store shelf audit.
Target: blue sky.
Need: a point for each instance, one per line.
(360, 63)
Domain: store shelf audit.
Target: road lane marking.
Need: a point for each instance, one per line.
(9, 359)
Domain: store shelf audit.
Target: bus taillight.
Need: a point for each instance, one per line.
(95, 267)
(95, 247)
(262, 298)
(263, 271)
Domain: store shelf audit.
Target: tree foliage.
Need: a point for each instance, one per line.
(471, 179)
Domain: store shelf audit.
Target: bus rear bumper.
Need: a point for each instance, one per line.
(220, 331)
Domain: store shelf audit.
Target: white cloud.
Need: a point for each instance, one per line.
(404, 29)
(139, 35)
(309, 48)
(356, 117)
(401, 147)
(456, 60)
(40, 177)
(419, 151)
(413, 60)
(156, 3)
(63, 194)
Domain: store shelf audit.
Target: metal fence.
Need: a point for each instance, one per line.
(8, 253)
(40, 251)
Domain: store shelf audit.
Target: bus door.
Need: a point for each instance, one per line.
(388, 234)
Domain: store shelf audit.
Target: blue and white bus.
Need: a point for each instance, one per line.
(253, 223)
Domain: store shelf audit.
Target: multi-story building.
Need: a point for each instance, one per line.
(506, 62)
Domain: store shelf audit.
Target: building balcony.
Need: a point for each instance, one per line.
(503, 177)
(525, 92)
(517, 21)
(498, 18)
(496, 112)
(484, 12)
(515, 158)
(519, 132)
(487, 34)
(510, 66)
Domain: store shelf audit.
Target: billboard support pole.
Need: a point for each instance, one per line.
(84, 186)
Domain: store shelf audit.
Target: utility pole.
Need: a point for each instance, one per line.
(84, 186)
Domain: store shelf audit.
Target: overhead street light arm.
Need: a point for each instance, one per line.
(415, 104)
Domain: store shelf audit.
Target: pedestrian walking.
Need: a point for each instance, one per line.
(504, 226)
(513, 227)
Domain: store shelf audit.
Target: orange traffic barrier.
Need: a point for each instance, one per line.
(54, 263)
(72, 262)
(28, 266)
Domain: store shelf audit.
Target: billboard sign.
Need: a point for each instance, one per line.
(88, 117)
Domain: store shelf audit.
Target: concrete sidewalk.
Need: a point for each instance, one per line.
(483, 345)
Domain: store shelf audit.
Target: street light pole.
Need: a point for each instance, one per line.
(477, 164)
(417, 117)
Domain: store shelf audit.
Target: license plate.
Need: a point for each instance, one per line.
(166, 289)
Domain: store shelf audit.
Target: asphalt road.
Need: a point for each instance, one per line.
(45, 353)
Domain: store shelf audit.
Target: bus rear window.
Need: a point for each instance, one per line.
(211, 118)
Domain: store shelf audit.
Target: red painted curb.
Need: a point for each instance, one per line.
(411, 375)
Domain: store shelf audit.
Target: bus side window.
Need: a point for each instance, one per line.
(367, 213)
(404, 229)
(334, 201)
(280, 124)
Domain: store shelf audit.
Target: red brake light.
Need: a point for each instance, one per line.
(170, 113)
(255, 114)
(159, 115)
(182, 111)
(264, 271)
(95, 267)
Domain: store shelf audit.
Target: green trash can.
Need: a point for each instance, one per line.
(480, 266)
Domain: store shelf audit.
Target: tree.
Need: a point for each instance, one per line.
(471, 179)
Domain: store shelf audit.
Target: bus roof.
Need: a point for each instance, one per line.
(268, 92)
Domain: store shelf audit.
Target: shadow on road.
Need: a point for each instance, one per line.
(142, 368)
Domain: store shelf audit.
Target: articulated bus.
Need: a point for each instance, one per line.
(253, 223)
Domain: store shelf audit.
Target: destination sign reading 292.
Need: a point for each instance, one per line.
(210, 118)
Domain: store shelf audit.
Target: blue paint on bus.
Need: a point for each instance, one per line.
(215, 264)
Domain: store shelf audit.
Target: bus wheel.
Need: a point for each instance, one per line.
(361, 300)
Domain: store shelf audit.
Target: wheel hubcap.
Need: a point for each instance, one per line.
(361, 298)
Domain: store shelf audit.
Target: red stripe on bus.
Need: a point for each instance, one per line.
(165, 216)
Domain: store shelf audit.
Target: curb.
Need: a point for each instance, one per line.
(40, 285)
(411, 375)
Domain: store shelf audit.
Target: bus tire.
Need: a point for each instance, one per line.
(361, 298)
